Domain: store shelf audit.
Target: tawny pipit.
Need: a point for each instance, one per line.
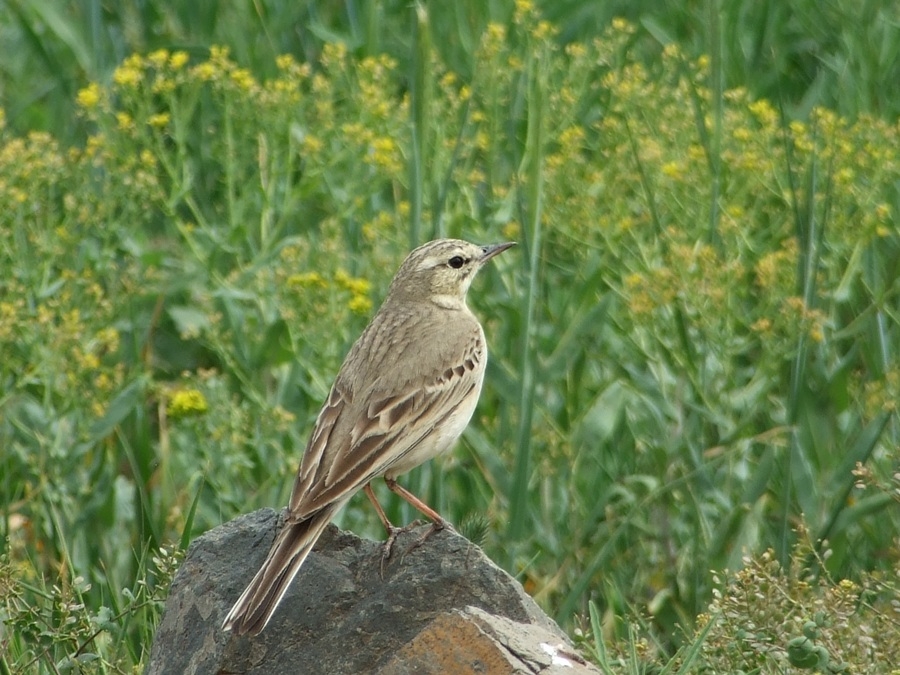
(405, 393)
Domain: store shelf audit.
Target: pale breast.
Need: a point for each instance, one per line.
(460, 385)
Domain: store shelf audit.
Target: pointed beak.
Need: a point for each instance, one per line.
(488, 252)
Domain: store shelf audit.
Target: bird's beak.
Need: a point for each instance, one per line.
(488, 252)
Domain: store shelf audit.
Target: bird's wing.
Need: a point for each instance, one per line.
(356, 440)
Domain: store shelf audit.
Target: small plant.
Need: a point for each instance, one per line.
(48, 627)
(769, 618)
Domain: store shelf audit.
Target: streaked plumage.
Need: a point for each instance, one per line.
(407, 389)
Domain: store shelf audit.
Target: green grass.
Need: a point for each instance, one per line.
(692, 363)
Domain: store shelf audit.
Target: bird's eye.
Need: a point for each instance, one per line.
(456, 262)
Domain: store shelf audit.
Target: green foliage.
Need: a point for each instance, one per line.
(52, 627)
(842, 55)
(691, 355)
(767, 618)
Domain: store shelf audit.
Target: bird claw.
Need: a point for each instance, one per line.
(395, 532)
(436, 526)
(387, 549)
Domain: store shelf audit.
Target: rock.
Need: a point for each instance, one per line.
(443, 607)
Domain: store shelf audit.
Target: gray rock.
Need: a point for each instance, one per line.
(443, 607)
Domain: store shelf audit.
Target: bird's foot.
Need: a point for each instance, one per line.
(436, 526)
(393, 534)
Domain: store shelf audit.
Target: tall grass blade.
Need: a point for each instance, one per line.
(420, 94)
(531, 170)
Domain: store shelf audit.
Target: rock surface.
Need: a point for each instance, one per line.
(444, 607)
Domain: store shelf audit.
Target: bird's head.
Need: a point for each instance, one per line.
(442, 271)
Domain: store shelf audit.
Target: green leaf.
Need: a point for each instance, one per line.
(130, 398)
(276, 347)
(189, 320)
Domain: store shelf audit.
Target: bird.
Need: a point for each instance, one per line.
(407, 389)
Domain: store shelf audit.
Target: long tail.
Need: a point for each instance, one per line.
(262, 596)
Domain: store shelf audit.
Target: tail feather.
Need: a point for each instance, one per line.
(262, 596)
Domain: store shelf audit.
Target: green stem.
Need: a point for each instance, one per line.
(531, 168)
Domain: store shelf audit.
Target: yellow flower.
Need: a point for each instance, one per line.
(763, 325)
(205, 71)
(384, 154)
(735, 211)
(89, 97)
(178, 60)
(763, 111)
(163, 85)
(360, 304)
(109, 339)
(124, 120)
(285, 417)
(496, 32)
(8, 311)
(524, 6)
(333, 53)
(356, 131)
(795, 304)
(242, 78)
(312, 144)
(218, 53)
(544, 30)
(186, 402)
(572, 136)
(355, 285)
(127, 76)
(158, 58)
(89, 361)
(307, 280)
(285, 62)
(634, 280)
(94, 145)
(844, 176)
(672, 170)
(382, 222)
(103, 382)
(159, 120)
(576, 50)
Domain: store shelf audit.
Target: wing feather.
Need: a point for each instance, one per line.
(353, 443)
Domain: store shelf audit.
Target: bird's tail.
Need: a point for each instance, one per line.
(262, 596)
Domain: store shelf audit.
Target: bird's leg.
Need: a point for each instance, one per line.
(382, 516)
(392, 531)
(421, 506)
(437, 521)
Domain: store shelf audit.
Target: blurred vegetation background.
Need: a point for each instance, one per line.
(693, 351)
